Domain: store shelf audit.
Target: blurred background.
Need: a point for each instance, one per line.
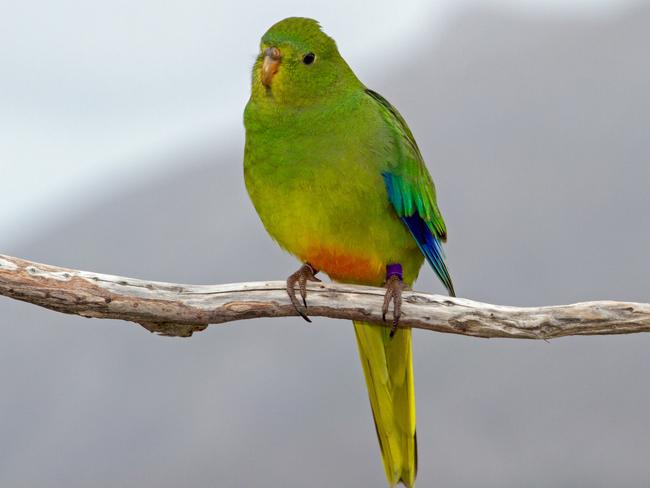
(120, 152)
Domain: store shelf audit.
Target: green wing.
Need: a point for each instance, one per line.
(412, 193)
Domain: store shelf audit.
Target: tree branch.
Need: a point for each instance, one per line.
(180, 310)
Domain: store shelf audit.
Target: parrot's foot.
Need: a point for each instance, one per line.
(302, 276)
(394, 288)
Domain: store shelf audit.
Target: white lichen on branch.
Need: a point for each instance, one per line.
(180, 310)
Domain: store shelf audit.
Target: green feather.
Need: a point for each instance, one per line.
(410, 175)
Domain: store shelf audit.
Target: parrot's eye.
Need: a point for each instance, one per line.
(309, 58)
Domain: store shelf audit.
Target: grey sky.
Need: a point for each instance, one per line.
(92, 94)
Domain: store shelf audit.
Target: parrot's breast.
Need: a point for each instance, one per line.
(320, 194)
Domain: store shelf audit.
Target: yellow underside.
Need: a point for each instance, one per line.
(388, 368)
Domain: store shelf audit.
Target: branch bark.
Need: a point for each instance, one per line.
(179, 310)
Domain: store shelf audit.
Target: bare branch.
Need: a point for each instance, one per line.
(180, 310)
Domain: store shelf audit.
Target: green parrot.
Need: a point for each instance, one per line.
(338, 181)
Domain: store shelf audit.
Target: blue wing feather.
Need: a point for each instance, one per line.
(431, 248)
(412, 193)
(420, 229)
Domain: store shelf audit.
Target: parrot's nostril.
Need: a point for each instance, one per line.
(273, 53)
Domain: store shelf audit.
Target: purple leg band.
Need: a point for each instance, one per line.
(394, 270)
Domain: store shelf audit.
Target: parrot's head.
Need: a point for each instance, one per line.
(298, 64)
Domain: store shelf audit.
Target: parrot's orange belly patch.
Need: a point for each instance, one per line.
(347, 267)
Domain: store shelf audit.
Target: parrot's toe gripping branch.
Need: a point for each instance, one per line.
(302, 276)
(394, 288)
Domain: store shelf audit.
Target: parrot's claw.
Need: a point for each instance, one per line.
(394, 288)
(302, 276)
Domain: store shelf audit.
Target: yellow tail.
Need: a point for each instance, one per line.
(388, 368)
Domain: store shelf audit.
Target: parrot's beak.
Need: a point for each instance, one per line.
(270, 64)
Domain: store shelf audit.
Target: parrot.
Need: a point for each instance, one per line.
(337, 179)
